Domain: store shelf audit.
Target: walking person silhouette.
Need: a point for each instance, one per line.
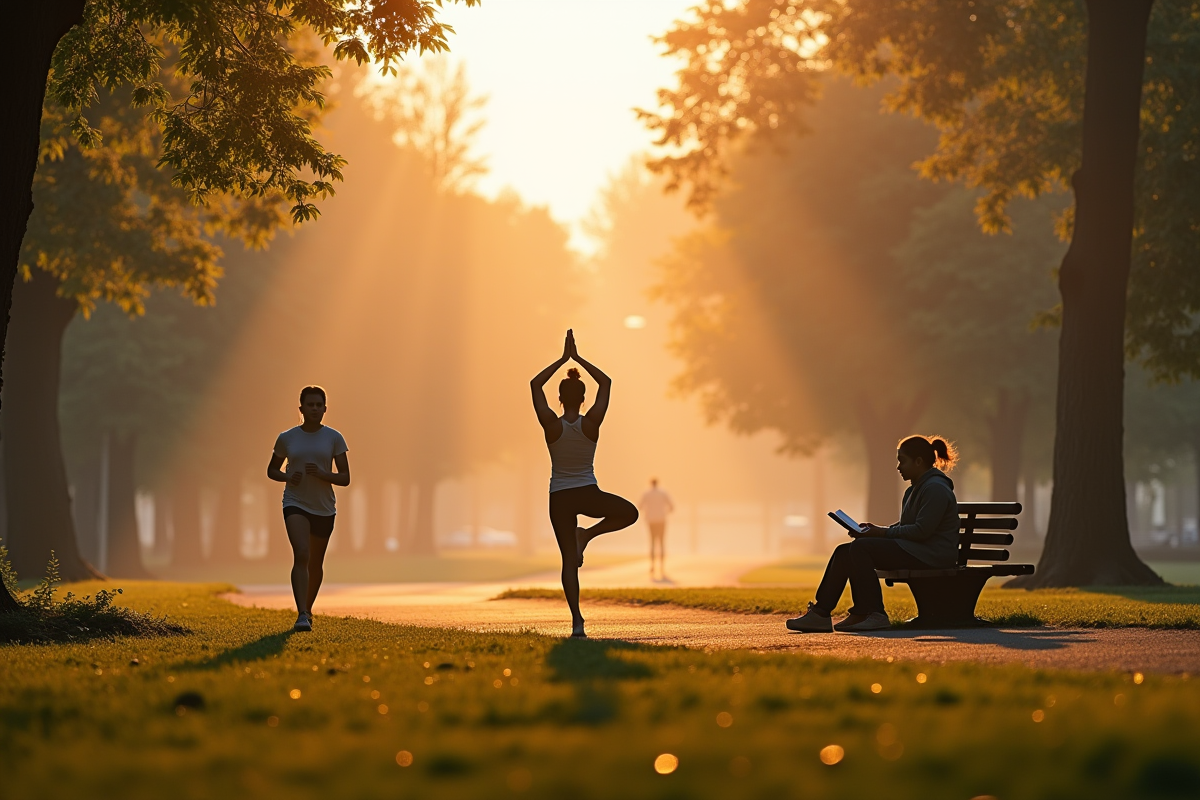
(311, 449)
(572, 440)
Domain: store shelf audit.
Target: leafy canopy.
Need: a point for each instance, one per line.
(238, 121)
(1002, 81)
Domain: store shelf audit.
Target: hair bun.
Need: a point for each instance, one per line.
(573, 374)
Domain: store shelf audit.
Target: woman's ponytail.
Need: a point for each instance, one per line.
(933, 450)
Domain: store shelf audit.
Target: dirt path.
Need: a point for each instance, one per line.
(467, 606)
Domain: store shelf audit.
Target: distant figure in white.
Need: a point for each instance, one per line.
(654, 507)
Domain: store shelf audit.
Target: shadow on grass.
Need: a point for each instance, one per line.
(593, 668)
(259, 649)
(590, 660)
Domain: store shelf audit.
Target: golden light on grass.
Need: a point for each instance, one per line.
(507, 672)
(520, 779)
(832, 754)
(922, 677)
(724, 719)
(383, 709)
(666, 763)
(1038, 715)
(366, 678)
(497, 683)
(404, 758)
(1138, 678)
(429, 680)
(294, 694)
(374, 694)
(876, 688)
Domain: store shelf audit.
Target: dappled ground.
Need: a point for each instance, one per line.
(360, 709)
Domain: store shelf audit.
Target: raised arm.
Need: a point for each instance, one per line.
(595, 415)
(546, 416)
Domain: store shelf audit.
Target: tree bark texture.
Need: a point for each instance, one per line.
(1087, 541)
(25, 64)
(1007, 429)
(39, 501)
(124, 549)
(883, 424)
(422, 541)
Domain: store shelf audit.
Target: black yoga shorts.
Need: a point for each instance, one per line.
(317, 524)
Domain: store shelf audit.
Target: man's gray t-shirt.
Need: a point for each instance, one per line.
(300, 447)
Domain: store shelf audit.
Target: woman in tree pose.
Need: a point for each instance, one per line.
(926, 537)
(573, 489)
(311, 450)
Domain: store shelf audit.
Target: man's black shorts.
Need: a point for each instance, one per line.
(317, 524)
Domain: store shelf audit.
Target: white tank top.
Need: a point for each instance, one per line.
(571, 457)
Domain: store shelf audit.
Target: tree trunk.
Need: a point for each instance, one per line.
(883, 425)
(1087, 541)
(187, 550)
(1007, 429)
(25, 63)
(227, 523)
(124, 550)
(423, 535)
(39, 502)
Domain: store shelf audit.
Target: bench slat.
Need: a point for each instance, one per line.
(988, 554)
(989, 523)
(989, 508)
(986, 538)
(996, 570)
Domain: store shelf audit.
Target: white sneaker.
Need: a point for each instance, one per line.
(303, 622)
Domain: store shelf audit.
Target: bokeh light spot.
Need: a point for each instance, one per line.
(635, 322)
(294, 694)
(724, 719)
(665, 764)
(832, 754)
(404, 758)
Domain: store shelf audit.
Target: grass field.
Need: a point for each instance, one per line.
(241, 707)
(1165, 607)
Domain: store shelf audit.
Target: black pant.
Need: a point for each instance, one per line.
(567, 504)
(857, 561)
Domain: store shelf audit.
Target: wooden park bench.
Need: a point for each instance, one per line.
(946, 598)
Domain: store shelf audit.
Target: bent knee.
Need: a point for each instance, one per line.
(633, 514)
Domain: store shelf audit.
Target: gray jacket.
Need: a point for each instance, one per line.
(928, 526)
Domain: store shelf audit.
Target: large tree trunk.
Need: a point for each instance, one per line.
(1007, 428)
(124, 549)
(187, 550)
(227, 526)
(1087, 542)
(39, 502)
(25, 64)
(883, 425)
(423, 534)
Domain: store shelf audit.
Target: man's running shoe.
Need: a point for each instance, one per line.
(303, 622)
(813, 621)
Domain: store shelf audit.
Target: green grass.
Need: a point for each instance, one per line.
(1164, 607)
(386, 568)
(211, 714)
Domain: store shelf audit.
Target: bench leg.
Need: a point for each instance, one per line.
(947, 602)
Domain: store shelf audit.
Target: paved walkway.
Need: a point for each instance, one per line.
(469, 606)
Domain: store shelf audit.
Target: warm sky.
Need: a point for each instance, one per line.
(562, 77)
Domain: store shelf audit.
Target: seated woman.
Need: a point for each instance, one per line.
(926, 537)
